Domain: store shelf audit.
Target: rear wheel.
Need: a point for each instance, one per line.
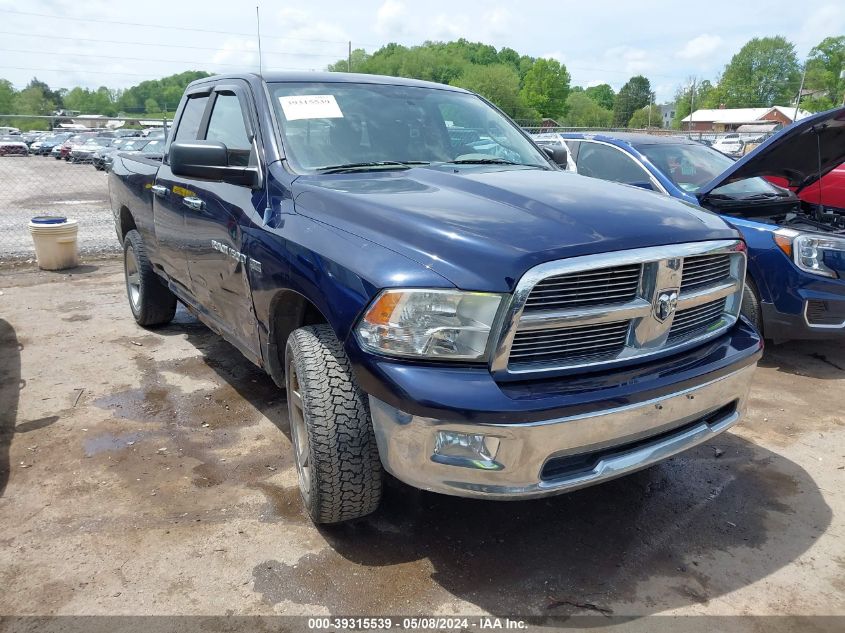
(337, 460)
(751, 305)
(150, 300)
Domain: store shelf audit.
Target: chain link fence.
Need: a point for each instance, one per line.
(35, 184)
(41, 184)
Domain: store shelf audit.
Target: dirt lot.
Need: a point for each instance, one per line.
(40, 185)
(150, 472)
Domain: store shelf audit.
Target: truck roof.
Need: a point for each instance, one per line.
(328, 77)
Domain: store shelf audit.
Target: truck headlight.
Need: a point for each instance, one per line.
(808, 250)
(431, 324)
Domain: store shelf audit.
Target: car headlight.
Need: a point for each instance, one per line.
(430, 324)
(809, 251)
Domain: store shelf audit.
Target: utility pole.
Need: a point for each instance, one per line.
(800, 90)
(691, 107)
(842, 77)
(349, 58)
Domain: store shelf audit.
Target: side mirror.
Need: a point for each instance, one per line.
(209, 160)
(557, 154)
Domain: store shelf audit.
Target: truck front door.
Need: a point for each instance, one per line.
(215, 214)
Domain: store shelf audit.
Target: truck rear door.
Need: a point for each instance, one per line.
(170, 193)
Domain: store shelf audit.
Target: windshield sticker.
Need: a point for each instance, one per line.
(310, 107)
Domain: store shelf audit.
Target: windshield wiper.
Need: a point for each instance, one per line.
(347, 167)
(489, 161)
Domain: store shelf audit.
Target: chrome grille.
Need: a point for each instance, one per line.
(590, 287)
(598, 310)
(705, 270)
(697, 319)
(568, 344)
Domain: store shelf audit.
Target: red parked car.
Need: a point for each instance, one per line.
(829, 191)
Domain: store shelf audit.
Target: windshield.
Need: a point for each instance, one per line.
(331, 124)
(691, 166)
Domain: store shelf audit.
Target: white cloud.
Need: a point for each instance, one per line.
(498, 22)
(632, 60)
(237, 51)
(827, 20)
(392, 18)
(448, 27)
(701, 46)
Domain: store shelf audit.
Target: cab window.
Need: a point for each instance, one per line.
(608, 163)
(227, 126)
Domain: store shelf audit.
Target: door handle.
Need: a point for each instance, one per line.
(192, 202)
(159, 190)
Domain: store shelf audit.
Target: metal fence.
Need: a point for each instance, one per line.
(32, 184)
(42, 185)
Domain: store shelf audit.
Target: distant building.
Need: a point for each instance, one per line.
(667, 113)
(729, 119)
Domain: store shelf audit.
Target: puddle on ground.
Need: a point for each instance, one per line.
(283, 503)
(110, 442)
(74, 318)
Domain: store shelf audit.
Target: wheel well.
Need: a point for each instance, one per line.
(289, 310)
(127, 222)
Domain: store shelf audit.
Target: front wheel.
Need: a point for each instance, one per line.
(751, 309)
(152, 303)
(337, 459)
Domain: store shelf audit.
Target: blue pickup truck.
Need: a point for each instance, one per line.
(439, 300)
(795, 287)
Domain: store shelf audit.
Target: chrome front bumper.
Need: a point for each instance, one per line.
(554, 456)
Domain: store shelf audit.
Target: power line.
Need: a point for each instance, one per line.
(94, 72)
(136, 59)
(199, 48)
(162, 26)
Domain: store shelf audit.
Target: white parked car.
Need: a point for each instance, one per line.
(730, 144)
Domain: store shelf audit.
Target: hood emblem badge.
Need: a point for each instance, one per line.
(665, 304)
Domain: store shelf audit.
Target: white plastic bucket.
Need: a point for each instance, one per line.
(55, 242)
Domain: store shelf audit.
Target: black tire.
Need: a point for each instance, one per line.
(150, 300)
(335, 451)
(751, 305)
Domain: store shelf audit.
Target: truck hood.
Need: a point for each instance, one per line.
(482, 228)
(800, 153)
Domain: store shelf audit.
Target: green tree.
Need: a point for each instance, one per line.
(167, 92)
(151, 106)
(706, 96)
(602, 94)
(7, 96)
(545, 87)
(648, 116)
(359, 60)
(765, 72)
(53, 96)
(582, 111)
(500, 84)
(635, 94)
(824, 66)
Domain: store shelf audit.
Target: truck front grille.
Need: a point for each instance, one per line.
(705, 270)
(569, 344)
(697, 319)
(603, 309)
(586, 288)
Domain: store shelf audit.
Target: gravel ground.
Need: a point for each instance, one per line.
(37, 185)
(150, 472)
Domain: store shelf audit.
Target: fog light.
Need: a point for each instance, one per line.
(462, 449)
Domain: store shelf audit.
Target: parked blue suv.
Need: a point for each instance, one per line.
(796, 252)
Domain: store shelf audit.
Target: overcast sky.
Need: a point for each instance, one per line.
(599, 41)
